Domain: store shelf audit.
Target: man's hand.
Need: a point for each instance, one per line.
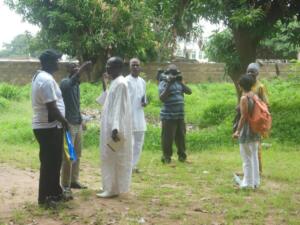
(236, 135)
(114, 135)
(144, 102)
(65, 125)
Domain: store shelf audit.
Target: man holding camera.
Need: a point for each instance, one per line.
(171, 93)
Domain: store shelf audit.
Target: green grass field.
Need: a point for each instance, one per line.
(200, 192)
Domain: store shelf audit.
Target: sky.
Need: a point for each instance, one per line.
(11, 25)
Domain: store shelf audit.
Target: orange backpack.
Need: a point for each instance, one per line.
(260, 119)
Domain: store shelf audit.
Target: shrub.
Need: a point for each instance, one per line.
(89, 94)
(10, 92)
(17, 132)
(91, 135)
(216, 113)
(209, 111)
(4, 103)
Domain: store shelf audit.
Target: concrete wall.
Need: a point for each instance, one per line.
(192, 72)
(21, 72)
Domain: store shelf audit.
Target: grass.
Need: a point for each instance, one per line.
(198, 193)
(209, 114)
(201, 192)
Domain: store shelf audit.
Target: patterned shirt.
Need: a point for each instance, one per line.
(173, 106)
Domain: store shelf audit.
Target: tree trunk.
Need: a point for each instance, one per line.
(97, 68)
(235, 76)
(246, 45)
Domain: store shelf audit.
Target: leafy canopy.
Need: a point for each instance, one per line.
(91, 29)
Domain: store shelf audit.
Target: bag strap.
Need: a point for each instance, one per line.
(35, 76)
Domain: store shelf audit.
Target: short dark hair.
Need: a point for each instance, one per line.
(116, 61)
(246, 82)
(49, 55)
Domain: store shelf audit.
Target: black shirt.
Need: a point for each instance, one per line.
(71, 95)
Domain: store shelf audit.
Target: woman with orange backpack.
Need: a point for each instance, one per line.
(260, 90)
(248, 139)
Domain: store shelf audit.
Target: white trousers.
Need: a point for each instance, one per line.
(250, 164)
(138, 142)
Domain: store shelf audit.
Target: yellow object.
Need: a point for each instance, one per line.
(261, 91)
(67, 155)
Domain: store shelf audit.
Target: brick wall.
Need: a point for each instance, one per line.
(20, 72)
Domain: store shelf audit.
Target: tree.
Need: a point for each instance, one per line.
(170, 20)
(249, 22)
(18, 47)
(92, 29)
(282, 43)
(221, 48)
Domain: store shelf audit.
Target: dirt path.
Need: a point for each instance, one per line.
(18, 193)
(16, 187)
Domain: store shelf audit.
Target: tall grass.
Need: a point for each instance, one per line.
(209, 114)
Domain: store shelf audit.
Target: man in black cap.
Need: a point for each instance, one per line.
(171, 93)
(48, 122)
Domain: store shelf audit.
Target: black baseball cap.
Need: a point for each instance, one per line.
(50, 54)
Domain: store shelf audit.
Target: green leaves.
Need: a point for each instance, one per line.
(89, 28)
(246, 18)
(221, 48)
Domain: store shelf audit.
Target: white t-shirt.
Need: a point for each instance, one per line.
(45, 90)
(137, 90)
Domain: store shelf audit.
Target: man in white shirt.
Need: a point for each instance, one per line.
(137, 93)
(48, 122)
(116, 133)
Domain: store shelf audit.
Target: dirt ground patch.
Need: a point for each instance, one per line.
(19, 188)
(16, 187)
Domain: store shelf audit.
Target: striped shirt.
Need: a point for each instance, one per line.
(173, 106)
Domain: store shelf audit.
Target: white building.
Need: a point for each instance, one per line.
(192, 50)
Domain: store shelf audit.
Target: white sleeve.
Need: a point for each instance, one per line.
(101, 98)
(120, 104)
(48, 92)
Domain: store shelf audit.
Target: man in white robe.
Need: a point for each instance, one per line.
(137, 93)
(116, 133)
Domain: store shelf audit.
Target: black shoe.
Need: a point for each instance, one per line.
(181, 159)
(165, 160)
(136, 170)
(77, 185)
(49, 203)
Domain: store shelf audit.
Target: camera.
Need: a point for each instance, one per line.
(169, 78)
(171, 75)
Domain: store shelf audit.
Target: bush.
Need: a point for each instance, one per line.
(10, 92)
(89, 94)
(216, 113)
(209, 114)
(91, 135)
(17, 132)
(4, 103)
